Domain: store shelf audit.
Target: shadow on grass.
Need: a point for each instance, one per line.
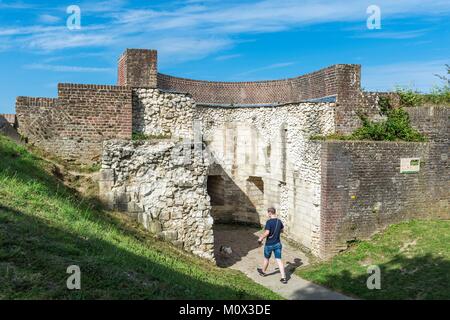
(419, 277)
(27, 168)
(34, 255)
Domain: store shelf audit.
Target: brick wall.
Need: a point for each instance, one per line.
(433, 122)
(363, 190)
(339, 81)
(314, 85)
(74, 125)
(138, 68)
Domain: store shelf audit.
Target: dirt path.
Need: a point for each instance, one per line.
(247, 255)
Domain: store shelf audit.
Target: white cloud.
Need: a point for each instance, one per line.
(15, 5)
(177, 49)
(227, 57)
(194, 29)
(63, 68)
(48, 18)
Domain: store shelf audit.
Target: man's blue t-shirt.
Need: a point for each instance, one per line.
(274, 226)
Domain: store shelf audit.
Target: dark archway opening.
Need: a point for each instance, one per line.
(235, 210)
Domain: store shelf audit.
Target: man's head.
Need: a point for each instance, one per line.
(271, 212)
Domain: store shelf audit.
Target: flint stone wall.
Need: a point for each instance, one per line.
(159, 113)
(272, 144)
(162, 185)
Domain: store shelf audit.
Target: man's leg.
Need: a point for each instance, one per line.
(265, 264)
(277, 250)
(267, 254)
(281, 267)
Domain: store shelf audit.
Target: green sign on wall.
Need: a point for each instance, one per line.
(409, 165)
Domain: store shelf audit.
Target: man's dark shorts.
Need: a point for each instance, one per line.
(276, 248)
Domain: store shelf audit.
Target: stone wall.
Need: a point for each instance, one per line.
(160, 113)
(163, 185)
(363, 190)
(260, 154)
(83, 116)
(74, 125)
(264, 158)
(340, 83)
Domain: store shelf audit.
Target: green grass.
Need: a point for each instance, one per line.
(414, 258)
(45, 227)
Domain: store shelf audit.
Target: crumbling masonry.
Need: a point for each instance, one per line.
(225, 151)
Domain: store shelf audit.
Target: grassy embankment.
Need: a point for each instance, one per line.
(45, 227)
(413, 257)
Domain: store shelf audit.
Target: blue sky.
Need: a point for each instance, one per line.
(221, 40)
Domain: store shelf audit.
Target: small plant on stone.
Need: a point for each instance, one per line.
(140, 136)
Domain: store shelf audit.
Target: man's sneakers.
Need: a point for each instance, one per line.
(261, 273)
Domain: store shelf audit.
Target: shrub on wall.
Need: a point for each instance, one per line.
(396, 126)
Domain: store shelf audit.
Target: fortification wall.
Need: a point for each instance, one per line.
(74, 125)
(327, 82)
(318, 84)
(162, 185)
(433, 122)
(262, 157)
(138, 68)
(363, 189)
(159, 113)
(338, 83)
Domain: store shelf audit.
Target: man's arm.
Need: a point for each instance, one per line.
(264, 235)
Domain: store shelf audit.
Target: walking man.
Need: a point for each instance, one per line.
(272, 232)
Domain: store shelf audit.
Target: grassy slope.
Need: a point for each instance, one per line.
(45, 227)
(414, 258)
